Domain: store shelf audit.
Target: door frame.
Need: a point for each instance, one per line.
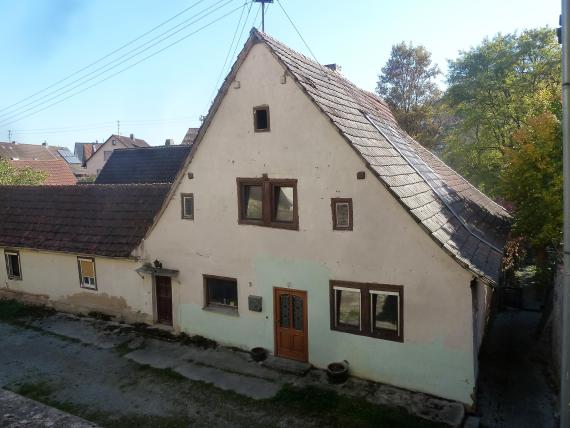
(155, 295)
(304, 295)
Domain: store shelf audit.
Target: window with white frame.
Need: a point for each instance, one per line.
(374, 310)
(87, 276)
(187, 201)
(13, 267)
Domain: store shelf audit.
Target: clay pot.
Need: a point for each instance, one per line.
(258, 354)
(337, 372)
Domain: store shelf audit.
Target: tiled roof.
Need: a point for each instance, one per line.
(82, 219)
(465, 222)
(83, 151)
(190, 136)
(58, 171)
(144, 165)
(18, 151)
(128, 142)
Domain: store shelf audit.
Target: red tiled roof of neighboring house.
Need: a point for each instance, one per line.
(19, 151)
(58, 171)
(90, 219)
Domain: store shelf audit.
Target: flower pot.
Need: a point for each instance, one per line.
(258, 354)
(337, 372)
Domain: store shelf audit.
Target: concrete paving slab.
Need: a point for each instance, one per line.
(99, 333)
(298, 368)
(245, 385)
(17, 411)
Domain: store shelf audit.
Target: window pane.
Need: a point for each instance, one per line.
(252, 202)
(342, 214)
(222, 292)
(298, 316)
(14, 265)
(283, 199)
(87, 268)
(188, 206)
(261, 119)
(384, 312)
(284, 310)
(348, 308)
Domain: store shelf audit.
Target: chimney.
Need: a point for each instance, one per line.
(44, 143)
(132, 136)
(169, 142)
(333, 67)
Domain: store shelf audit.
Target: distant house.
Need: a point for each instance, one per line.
(83, 151)
(190, 136)
(95, 162)
(58, 171)
(159, 164)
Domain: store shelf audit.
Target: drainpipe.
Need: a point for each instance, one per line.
(565, 363)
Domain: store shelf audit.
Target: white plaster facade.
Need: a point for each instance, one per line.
(386, 246)
(53, 278)
(98, 159)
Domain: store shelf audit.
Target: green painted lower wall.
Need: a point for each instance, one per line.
(427, 366)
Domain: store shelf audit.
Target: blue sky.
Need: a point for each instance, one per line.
(42, 42)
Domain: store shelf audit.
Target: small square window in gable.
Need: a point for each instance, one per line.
(261, 119)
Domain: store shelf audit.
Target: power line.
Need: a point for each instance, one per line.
(106, 56)
(37, 103)
(297, 30)
(230, 48)
(124, 69)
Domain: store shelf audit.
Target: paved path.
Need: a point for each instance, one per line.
(513, 385)
(19, 412)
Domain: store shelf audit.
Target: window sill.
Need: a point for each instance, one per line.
(374, 335)
(232, 312)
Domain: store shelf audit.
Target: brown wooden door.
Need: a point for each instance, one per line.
(163, 299)
(291, 324)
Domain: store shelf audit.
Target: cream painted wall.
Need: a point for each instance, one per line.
(53, 278)
(95, 163)
(386, 245)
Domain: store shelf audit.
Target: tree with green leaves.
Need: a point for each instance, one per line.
(10, 175)
(493, 90)
(407, 84)
(532, 181)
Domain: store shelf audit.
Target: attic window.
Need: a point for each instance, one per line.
(261, 118)
(187, 206)
(341, 213)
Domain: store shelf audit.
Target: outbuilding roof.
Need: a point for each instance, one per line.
(19, 151)
(90, 219)
(158, 164)
(58, 171)
(462, 220)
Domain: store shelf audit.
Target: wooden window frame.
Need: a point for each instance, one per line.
(183, 196)
(334, 202)
(81, 283)
(208, 304)
(9, 270)
(268, 202)
(366, 310)
(265, 108)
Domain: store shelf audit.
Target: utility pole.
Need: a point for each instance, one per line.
(263, 12)
(118, 127)
(565, 328)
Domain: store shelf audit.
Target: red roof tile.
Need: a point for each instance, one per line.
(58, 171)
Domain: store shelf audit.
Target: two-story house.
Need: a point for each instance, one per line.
(94, 163)
(303, 220)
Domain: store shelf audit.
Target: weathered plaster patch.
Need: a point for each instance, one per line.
(97, 301)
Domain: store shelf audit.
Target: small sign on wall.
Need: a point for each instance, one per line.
(254, 303)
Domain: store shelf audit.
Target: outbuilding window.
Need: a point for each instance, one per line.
(187, 200)
(87, 277)
(268, 202)
(341, 213)
(261, 119)
(374, 310)
(13, 267)
(220, 292)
